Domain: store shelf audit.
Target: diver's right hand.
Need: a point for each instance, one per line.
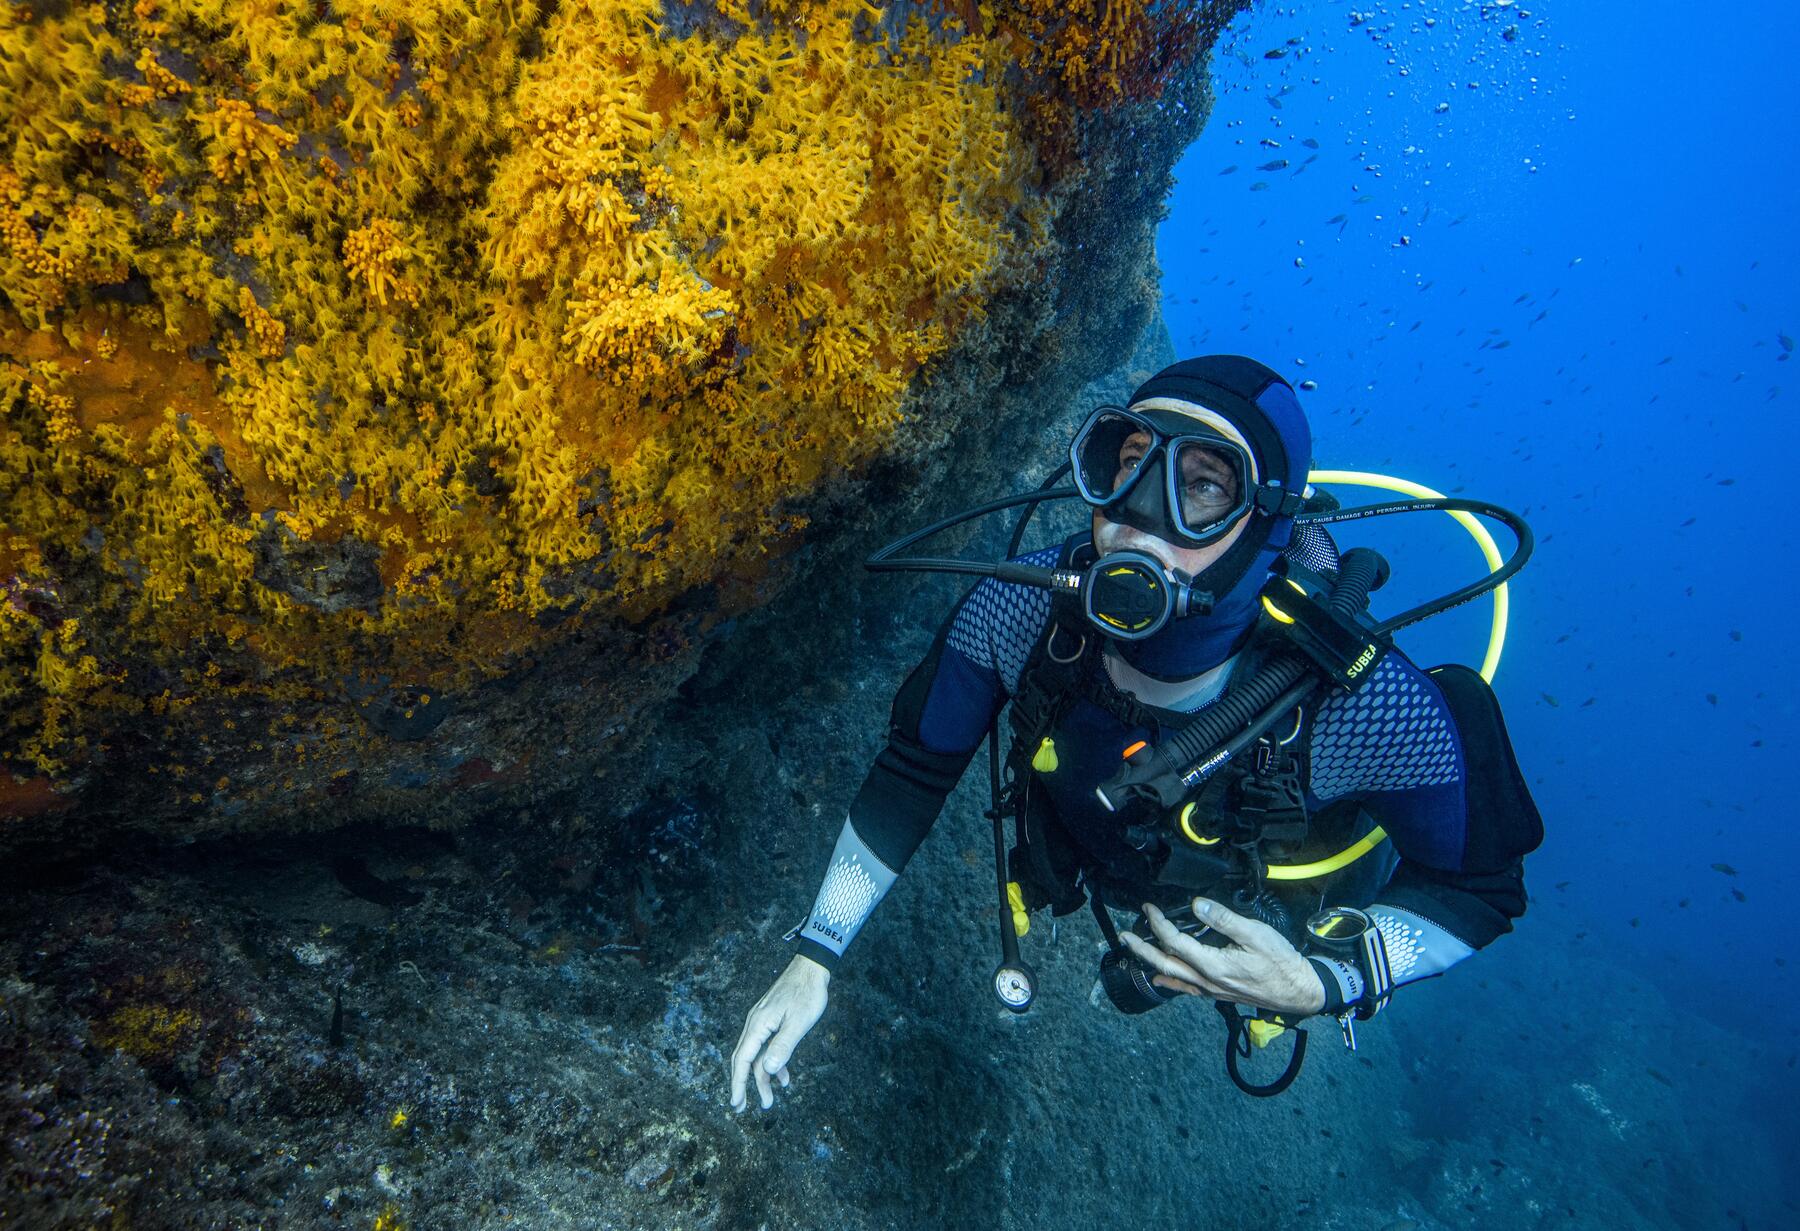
(774, 1027)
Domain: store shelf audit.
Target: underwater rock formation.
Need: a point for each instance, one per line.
(396, 397)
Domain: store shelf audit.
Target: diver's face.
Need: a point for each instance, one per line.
(1200, 486)
(1111, 536)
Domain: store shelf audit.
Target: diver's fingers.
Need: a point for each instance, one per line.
(1150, 955)
(763, 1089)
(1178, 943)
(1173, 973)
(757, 1029)
(781, 1047)
(1208, 965)
(783, 1077)
(1243, 930)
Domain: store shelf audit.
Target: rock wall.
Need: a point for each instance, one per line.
(400, 398)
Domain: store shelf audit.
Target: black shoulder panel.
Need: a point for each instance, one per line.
(1503, 822)
(909, 702)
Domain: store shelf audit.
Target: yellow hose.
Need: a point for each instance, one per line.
(1484, 540)
(1350, 854)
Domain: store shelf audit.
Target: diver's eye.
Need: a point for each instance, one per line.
(1204, 499)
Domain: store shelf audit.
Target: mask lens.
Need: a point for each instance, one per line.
(1210, 481)
(1107, 453)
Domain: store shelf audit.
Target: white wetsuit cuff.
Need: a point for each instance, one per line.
(1417, 948)
(854, 883)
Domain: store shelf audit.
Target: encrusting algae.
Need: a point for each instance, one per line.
(351, 329)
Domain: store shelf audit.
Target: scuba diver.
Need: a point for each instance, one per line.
(1208, 728)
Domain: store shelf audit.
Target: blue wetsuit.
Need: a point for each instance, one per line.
(1392, 746)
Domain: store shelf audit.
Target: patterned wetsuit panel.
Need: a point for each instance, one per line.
(984, 653)
(1393, 745)
(1000, 621)
(1313, 546)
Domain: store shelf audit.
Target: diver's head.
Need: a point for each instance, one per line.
(1210, 485)
(1203, 470)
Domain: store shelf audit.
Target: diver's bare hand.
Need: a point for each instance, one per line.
(1259, 967)
(774, 1027)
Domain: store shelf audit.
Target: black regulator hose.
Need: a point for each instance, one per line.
(1246, 710)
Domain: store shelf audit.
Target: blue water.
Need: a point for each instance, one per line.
(1565, 293)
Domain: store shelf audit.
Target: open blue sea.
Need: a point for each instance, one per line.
(1544, 254)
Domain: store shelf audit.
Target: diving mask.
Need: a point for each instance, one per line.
(1169, 475)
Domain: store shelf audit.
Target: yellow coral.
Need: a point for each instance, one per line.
(147, 1031)
(270, 334)
(496, 292)
(373, 254)
(239, 139)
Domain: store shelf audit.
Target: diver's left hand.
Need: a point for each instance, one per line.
(1259, 967)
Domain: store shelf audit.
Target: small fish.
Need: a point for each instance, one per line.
(1665, 360)
(1589, 702)
(1736, 635)
(1727, 482)
(1521, 299)
(1259, 186)
(1335, 219)
(1712, 698)
(1276, 165)
(1787, 343)
(1562, 884)
(1363, 200)
(1739, 895)
(1549, 700)
(1726, 868)
(1276, 54)
(1310, 144)
(1229, 170)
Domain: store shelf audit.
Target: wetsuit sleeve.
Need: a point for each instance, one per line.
(1442, 781)
(939, 718)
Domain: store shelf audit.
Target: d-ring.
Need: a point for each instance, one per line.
(1050, 646)
(1299, 721)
